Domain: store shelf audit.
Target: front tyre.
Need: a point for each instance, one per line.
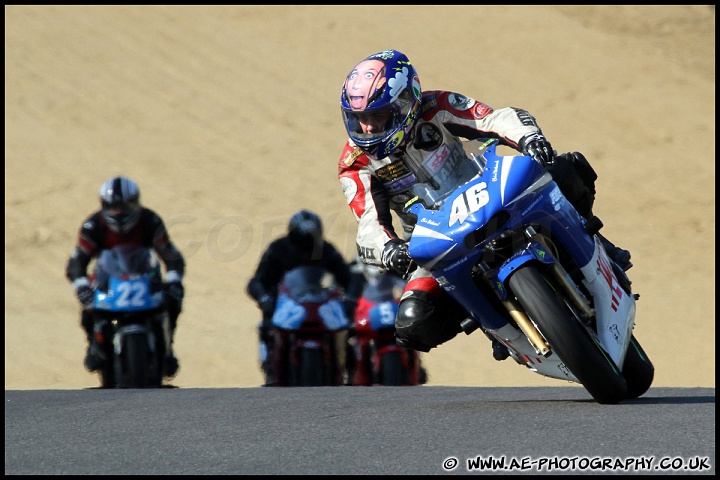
(638, 370)
(391, 370)
(572, 343)
(311, 367)
(136, 360)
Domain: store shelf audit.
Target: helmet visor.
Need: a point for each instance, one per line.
(372, 126)
(119, 207)
(121, 216)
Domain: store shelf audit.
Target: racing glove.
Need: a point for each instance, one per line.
(174, 287)
(267, 306)
(86, 296)
(395, 257)
(349, 307)
(175, 290)
(536, 146)
(84, 292)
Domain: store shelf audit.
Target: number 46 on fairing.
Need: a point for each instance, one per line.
(472, 200)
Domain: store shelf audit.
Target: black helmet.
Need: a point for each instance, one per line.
(120, 200)
(305, 229)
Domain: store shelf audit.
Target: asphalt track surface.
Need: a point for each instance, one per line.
(357, 430)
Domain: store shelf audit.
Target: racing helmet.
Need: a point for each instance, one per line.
(305, 229)
(383, 88)
(120, 201)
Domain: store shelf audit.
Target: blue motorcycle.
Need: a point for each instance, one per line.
(499, 236)
(131, 324)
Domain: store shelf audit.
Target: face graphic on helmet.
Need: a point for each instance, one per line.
(380, 102)
(363, 82)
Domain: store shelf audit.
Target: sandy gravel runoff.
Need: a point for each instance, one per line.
(228, 118)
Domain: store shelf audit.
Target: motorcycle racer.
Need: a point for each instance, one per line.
(122, 220)
(379, 285)
(304, 244)
(392, 123)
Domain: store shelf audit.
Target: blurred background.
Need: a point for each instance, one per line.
(228, 119)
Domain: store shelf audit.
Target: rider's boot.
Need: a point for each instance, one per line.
(268, 373)
(500, 351)
(618, 255)
(350, 361)
(266, 357)
(171, 364)
(422, 375)
(266, 365)
(92, 361)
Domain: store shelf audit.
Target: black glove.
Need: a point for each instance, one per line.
(267, 305)
(349, 307)
(175, 290)
(395, 257)
(265, 334)
(86, 295)
(536, 146)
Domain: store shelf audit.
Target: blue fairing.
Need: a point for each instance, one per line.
(508, 193)
(132, 294)
(127, 277)
(382, 315)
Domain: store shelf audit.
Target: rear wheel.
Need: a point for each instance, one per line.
(638, 370)
(572, 343)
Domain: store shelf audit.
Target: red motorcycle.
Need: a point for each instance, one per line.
(309, 329)
(378, 360)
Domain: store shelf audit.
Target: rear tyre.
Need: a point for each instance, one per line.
(638, 370)
(572, 343)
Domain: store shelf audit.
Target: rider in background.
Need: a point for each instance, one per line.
(392, 122)
(378, 285)
(304, 244)
(122, 220)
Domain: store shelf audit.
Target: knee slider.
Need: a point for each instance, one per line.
(413, 310)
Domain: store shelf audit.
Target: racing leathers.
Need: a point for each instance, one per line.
(95, 236)
(374, 188)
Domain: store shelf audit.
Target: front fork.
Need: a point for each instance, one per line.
(562, 281)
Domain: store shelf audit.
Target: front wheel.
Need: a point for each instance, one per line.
(311, 367)
(571, 342)
(638, 370)
(391, 370)
(136, 360)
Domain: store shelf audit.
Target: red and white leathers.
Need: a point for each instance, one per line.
(374, 188)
